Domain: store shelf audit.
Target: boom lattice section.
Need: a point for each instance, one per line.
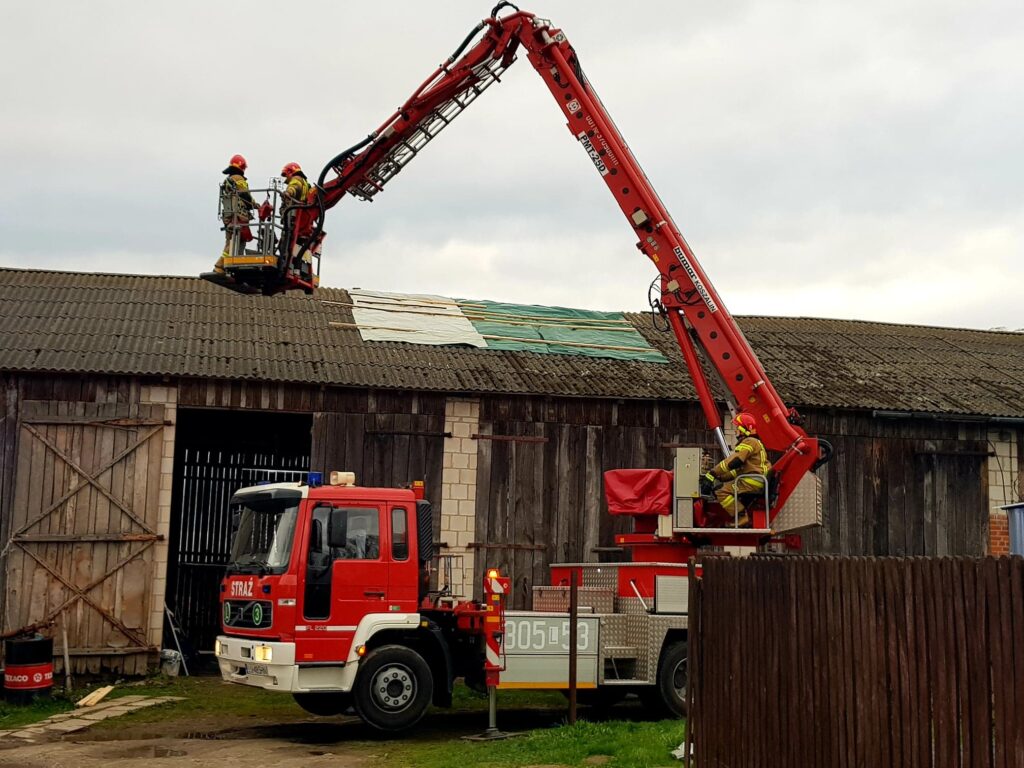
(484, 75)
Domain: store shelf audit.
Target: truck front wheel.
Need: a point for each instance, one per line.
(393, 688)
(668, 695)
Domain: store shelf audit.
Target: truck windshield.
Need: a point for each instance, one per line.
(263, 536)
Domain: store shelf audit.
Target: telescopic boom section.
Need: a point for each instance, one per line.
(696, 313)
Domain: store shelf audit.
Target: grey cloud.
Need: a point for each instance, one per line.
(806, 151)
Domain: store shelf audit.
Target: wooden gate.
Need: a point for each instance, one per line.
(201, 528)
(83, 528)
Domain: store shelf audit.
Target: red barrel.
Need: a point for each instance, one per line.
(28, 669)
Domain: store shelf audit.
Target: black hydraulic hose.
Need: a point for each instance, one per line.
(826, 454)
(499, 6)
(342, 156)
(465, 43)
(346, 154)
(319, 202)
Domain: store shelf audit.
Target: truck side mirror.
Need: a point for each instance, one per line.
(337, 529)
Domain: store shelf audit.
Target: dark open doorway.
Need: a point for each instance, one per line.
(216, 453)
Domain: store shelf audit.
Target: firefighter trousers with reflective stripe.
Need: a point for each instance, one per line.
(729, 502)
(236, 235)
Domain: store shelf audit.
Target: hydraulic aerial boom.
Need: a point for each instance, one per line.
(695, 312)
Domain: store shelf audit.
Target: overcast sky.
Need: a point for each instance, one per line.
(835, 159)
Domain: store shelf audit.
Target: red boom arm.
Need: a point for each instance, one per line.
(696, 313)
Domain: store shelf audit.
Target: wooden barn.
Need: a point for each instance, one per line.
(135, 405)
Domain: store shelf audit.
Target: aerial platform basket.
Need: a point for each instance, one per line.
(263, 256)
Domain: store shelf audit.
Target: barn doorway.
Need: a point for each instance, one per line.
(216, 453)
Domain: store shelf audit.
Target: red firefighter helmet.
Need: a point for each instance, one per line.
(238, 162)
(745, 423)
(290, 169)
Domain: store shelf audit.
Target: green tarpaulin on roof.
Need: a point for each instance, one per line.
(558, 331)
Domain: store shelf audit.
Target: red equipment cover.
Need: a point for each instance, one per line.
(638, 491)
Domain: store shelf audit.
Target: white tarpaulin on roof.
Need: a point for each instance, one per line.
(416, 318)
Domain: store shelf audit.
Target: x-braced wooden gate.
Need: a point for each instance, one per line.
(84, 523)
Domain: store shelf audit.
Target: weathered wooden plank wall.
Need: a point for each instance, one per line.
(1020, 463)
(540, 489)
(895, 486)
(901, 486)
(386, 438)
(871, 662)
(8, 461)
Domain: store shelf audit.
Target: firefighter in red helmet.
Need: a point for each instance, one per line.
(236, 207)
(296, 193)
(297, 190)
(748, 458)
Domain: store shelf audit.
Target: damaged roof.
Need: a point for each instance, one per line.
(185, 327)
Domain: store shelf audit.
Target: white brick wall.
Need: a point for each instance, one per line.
(1002, 468)
(458, 489)
(167, 396)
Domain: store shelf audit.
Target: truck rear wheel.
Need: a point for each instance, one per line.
(324, 704)
(668, 695)
(393, 688)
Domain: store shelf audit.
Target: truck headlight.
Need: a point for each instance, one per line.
(216, 648)
(263, 653)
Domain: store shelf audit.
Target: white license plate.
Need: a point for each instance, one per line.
(257, 669)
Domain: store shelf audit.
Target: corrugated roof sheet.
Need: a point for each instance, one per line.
(181, 326)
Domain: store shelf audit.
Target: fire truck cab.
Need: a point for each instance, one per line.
(322, 599)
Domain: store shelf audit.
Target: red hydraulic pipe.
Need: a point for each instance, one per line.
(700, 382)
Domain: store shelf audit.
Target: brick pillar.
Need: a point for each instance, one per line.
(998, 533)
(168, 398)
(458, 489)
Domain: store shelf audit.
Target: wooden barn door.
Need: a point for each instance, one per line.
(83, 525)
(515, 529)
(384, 450)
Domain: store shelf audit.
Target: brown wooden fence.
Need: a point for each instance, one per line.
(857, 662)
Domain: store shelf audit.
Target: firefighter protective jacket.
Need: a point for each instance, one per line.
(235, 197)
(297, 190)
(749, 458)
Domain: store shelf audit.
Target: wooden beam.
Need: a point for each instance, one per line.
(72, 538)
(510, 438)
(573, 323)
(123, 651)
(409, 433)
(89, 421)
(518, 340)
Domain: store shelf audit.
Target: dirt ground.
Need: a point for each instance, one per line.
(340, 742)
(232, 742)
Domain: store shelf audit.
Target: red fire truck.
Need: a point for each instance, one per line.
(327, 594)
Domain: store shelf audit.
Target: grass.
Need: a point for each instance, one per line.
(210, 697)
(204, 698)
(15, 716)
(624, 744)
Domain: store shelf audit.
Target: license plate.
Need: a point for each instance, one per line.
(257, 669)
